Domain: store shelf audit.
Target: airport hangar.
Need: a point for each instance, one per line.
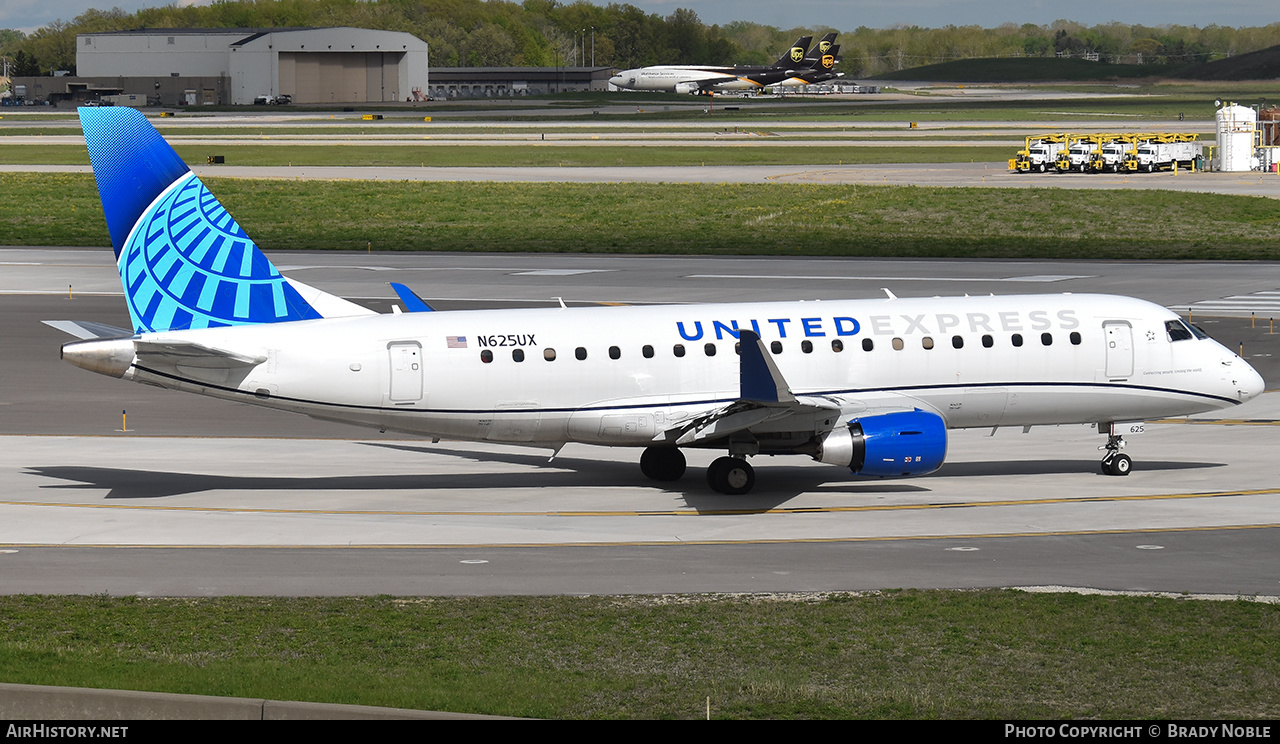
(220, 66)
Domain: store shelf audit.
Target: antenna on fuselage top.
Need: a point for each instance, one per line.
(892, 296)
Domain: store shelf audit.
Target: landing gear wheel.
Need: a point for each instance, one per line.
(731, 476)
(662, 463)
(1117, 464)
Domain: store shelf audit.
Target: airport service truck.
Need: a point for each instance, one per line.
(1154, 156)
(1039, 154)
(1110, 158)
(1076, 157)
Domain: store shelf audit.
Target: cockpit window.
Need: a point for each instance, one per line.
(1197, 330)
(1177, 331)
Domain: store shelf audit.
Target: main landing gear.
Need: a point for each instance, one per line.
(662, 463)
(728, 475)
(1115, 462)
(732, 476)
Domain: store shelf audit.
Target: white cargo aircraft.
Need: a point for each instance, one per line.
(869, 385)
(794, 67)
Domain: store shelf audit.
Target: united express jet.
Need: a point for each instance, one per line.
(871, 386)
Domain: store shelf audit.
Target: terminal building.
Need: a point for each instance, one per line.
(220, 66)
(514, 82)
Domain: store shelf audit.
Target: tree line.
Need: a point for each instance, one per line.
(548, 33)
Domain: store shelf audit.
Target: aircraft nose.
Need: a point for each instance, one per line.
(1249, 384)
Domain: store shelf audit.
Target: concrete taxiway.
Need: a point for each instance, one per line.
(206, 497)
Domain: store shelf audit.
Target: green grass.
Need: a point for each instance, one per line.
(910, 654)
(712, 219)
(530, 154)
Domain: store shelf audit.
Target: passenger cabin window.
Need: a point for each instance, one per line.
(580, 353)
(837, 345)
(1177, 331)
(517, 355)
(549, 354)
(988, 341)
(927, 342)
(806, 346)
(678, 350)
(897, 344)
(710, 349)
(615, 352)
(1075, 338)
(486, 356)
(1046, 339)
(868, 344)
(775, 347)
(647, 351)
(957, 342)
(1017, 339)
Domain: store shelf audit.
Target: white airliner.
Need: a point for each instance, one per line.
(794, 67)
(868, 385)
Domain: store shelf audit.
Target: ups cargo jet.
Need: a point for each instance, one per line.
(794, 67)
(871, 386)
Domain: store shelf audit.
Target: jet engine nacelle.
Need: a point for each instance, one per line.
(890, 444)
(686, 87)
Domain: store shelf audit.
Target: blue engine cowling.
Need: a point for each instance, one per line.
(888, 445)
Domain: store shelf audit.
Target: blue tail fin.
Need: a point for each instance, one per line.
(184, 262)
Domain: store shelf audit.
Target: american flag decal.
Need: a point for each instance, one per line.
(456, 342)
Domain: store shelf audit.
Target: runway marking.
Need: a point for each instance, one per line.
(1220, 422)
(660, 543)
(1037, 278)
(665, 512)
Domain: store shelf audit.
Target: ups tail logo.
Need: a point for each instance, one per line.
(828, 61)
(797, 54)
(824, 46)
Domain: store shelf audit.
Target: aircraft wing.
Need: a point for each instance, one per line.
(712, 82)
(764, 396)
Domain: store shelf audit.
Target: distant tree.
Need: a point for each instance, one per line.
(24, 65)
(1037, 46)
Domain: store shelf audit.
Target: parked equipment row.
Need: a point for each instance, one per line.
(1108, 153)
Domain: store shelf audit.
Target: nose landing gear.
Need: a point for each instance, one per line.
(1115, 462)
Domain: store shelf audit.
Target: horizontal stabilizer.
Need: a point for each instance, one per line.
(329, 306)
(86, 329)
(412, 302)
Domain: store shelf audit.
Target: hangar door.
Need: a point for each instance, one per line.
(341, 77)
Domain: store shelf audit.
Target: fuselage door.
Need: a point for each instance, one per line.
(1119, 336)
(406, 371)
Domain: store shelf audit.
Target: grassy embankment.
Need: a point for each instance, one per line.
(756, 219)
(987, 654)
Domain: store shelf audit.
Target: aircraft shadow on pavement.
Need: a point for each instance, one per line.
(774, 486)
(1056, 467)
